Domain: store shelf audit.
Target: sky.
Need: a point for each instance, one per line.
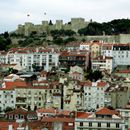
(14, 12)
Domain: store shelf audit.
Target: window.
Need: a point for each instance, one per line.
(99, 124)
(81, 123)
(117, 125)
(108, 124)
(90, 124)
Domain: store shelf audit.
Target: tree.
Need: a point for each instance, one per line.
(58, 41)
(8, 109)
(6, 35)
(94, 76)
(2, 43)
(50, 22)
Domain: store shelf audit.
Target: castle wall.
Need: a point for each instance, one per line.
(75, 24)
(107, 38)
(124, 38)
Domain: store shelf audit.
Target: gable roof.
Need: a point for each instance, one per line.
(83, 115)
(106, 111)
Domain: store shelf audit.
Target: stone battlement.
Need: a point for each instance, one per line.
(75, 24)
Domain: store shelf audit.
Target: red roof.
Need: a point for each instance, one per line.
(89, 83)
(57, 119)
(4, 125)
(106, 111)
(18, 111)
(86, 83)
(101, 84)
(12, 85)
(83, 115)
(49, 110)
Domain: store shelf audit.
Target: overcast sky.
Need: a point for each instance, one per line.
(14, 12)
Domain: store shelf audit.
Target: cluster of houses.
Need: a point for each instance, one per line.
(50, 81)
(53, 119)
(103, 56)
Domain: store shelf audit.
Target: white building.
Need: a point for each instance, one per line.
(125, 113)
(94, 94)
(107, 49)
(121, 54)
(45, 58)
(7, 98)
(103, 119)
(102, 63)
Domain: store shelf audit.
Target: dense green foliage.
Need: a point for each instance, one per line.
(109, 28)
(5, 41)
(62, 32)
(94, 76)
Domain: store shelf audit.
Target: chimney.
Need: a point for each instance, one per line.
(10, 127)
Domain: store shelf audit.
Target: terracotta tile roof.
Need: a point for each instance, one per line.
(18, 111)
(83, 115)
(101, 84)
(89, 83)
(12, 85)
(4, 125)
(65, 113)
(57, 119)
(86, 83)
(106, 111)
(49, 110)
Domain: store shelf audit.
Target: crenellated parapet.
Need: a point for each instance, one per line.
(75, 24)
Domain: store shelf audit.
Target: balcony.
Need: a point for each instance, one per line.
(21, 100)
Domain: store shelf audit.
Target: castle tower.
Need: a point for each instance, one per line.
(78, 23)
(28, 28)
(59, 24)
(20, 29)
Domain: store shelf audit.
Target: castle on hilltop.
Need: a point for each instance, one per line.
(75, 24)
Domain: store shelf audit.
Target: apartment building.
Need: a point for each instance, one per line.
(94, 94)
(73, 98)
(102, 63)
(96, 49)
(107, 49)
(7, 98)
(103, 118)
(121, 54)
(73, 58)
(30, 59)
(125, 113)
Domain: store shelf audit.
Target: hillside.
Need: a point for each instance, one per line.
(98, 31)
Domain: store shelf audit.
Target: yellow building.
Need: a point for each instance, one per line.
(96, 49)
